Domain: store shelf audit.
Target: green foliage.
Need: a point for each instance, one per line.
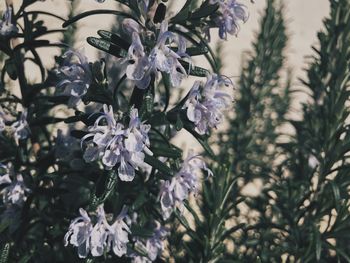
(302, 213)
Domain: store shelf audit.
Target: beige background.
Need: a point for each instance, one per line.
(304, 20)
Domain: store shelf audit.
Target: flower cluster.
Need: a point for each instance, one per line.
(186, 181)
(21, 128)
(14, 192)
(75, 77)
(153, 246)
(162, 58)
(206, 102)
(117, 145)
(6, 26)
(231, 14)
(99, 237)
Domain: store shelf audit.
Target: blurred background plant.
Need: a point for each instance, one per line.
(299, 214)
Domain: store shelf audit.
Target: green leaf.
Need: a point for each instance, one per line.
(318, 244)
(167, 87)
(141, 231)
(156, 164)
(182, 220)
(10, 67)
(104, 188)
(4, 225)
(106, 46)
(183, 14)
(204, 11)
(185, 223)
(197, 51)
(158, 119)
(5, 253)
(140, 200)
(166, 151)
(203, 141)
(194, 70)
(25, 259)
(179, 123)
(336, 193)
(160, 13)
(114, 39)
(134, 6)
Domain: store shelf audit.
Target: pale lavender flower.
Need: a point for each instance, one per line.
(14, 194)
(118, 234)
(232, 13)
(99, 233)
(152, 246)
(139, 69)
(15, 191)
(75, 77)
(79, 234)
(117, 145)
(160, 59)
(155, 244)
(99, 237)
(130, 26)
(186, 181)
(206, 103)
(6, 26)
(164, 59)
(21, 128)
(167, 199)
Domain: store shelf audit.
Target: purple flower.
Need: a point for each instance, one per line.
(79, 234)
(152, 246)
(99, 237)
(21, 128)
(118, 234)
(206, 103)
(117, 145)
(14, 194)
(167, 199)
(15, 191)
(232, 13)
(139, 69)
(99, 233)
(75, 77)
(161, 58)
(6, 26)
(186, 181)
